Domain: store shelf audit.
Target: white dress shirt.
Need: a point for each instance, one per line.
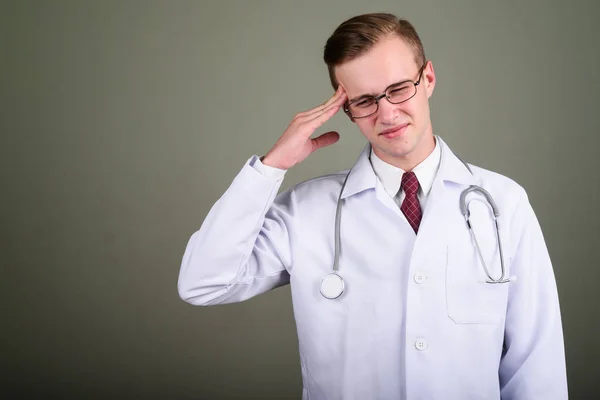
(391, 176)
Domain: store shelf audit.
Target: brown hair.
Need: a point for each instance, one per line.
(357, 35)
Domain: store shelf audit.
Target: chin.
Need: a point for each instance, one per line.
(395, 151)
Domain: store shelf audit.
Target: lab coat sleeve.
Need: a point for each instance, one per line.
(533, 362)
(242, 248)
(267, 170)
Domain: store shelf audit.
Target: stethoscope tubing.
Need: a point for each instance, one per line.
(464, 208)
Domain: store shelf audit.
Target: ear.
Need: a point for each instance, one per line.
(429, 78)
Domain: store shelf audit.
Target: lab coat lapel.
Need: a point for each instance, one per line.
(362, 177)
(451, 171)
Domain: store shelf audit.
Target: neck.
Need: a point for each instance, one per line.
(407, 162)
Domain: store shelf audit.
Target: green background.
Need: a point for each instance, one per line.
(124, 121)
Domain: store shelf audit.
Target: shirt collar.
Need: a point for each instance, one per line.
(451, 169)
(391, 176)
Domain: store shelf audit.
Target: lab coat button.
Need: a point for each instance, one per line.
(420, 277)
(421, 344)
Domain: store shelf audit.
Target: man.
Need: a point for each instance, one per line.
(414, 315)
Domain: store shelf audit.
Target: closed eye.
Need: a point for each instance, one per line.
(399, 90)
(366, 102)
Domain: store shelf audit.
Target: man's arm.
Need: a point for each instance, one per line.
(533, 362)
(243, 246)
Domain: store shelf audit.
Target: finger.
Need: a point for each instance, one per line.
(326, 139)
(306, 128)
(325, 110)
(338, 93)
(339, 98)
(321, 117)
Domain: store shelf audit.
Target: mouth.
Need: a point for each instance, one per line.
(394, 132)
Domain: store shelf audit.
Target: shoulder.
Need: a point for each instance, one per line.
(496, 180)
(318, 186)
(321, 183)
(317, 191)
(506, 192)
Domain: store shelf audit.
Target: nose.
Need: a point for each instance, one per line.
(388, 112)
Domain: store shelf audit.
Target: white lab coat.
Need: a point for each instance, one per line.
(417, 320)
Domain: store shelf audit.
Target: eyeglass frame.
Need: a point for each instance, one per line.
(384, 94)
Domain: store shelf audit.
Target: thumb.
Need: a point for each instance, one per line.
(326, 139)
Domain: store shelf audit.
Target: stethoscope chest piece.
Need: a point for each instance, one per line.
(332, 286)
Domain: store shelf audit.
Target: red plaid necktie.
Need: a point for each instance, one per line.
(410, 206)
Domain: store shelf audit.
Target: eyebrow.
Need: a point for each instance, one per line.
(362, 96)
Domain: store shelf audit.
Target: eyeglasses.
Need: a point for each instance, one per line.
(365, 106)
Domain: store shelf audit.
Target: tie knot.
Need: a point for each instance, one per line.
(410, 183)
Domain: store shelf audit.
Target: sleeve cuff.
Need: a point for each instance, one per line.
(266, 170)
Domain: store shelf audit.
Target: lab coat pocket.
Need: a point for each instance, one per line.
(469, 298)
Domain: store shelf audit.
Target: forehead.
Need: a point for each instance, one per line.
(391, 60)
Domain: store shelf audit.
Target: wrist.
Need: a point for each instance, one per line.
(271, 162)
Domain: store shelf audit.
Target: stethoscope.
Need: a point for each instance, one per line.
(332, 284)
